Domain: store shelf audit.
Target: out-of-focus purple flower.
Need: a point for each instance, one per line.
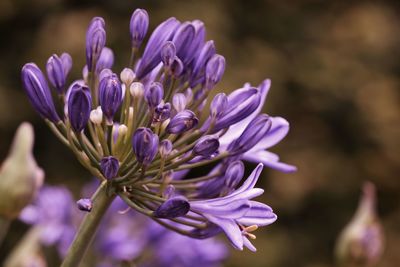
(79, 106)
(206, 52)
(176, 67)
(172, 208)
(218, 105)
(165, 147)
(95, 41)
(106, 60)
(182, 122)
(162, 112)
(57, 70)
(109, 167)
(38, 92)
(145, 145)
(179, 102)
(214, 70)
(110, 92)
(138, 26)
(168, 53)
(235, 210)
(85, 204)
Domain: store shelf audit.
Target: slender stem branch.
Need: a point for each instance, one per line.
(101, 201)
(4, 225)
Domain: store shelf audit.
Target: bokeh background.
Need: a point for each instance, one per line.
(335, 70)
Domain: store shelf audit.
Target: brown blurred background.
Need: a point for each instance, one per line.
(335, 70)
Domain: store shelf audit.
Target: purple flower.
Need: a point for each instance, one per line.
(214, 70)
(168, 53)
(106, 60)
(218, 105)
(182, 122)
(154, 94)
(236, 210)
(95, 41)
(79, 106)
(57, 70)
(110, 93)
(162, 112)
(172, 208)
(165, 147)
(38, 92)
(109, 167)
(206, 52)
(85, 204)
(145, 145)
(206, 146)
(138, 26)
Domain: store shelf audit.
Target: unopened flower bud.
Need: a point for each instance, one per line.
(127, 76)
(168, 52)
(165, 148)
(179, 102)
(182, 122)
(176, 68)
(218, 105)
(162, 112)
(57, 71)
(85, 204)
(20, 177)
(105, 73)
(106, 60)
(138, 26)
(234, 174)
(145, 145)
(96, 116)
(109, 167)
(38, 92)
(174, 207)
(137, 90)
(79, 106)
(110, 96)
(214, 70)
(95, 41)
(154, 94)
(206, 146)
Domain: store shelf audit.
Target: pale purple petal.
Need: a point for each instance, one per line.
(269, 159)
(231, 230)
(259, 214)
(248, 244)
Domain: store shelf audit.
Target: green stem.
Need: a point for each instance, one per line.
(4, 225)
(101, 201)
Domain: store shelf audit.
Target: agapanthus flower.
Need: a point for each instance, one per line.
(151, 121)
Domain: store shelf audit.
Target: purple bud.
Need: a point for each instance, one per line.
(183, 39)
(206, 146)
(151, 55)
(66, 61)
(253, 133)
(38, 92)
(182, 122)
(105, 73)
(110, 96)
(79, 106)
(215, 68)
(95, 41)
(162, 112)
(168, 53)
(165, 148)
(174, 207)
(176, 67)
(206, 52)
(109, 167)
(154, 94)
(234, 174)
(138, 26)
(106, 60)
(85, 204)
(145, 145)
(218, 105)
(56, 73)
(179, 102)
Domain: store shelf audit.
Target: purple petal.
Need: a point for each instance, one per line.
(231, 229)
(259, 214)
(248, 244)
(270, 160)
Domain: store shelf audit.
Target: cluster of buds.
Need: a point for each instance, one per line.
(144, 129)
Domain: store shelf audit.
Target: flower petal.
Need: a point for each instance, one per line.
(259, 214)
(269, 159)
(231, 229)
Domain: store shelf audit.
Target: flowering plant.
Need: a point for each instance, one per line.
(141, 131)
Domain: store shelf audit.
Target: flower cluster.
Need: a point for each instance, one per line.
(143, 129)
(124, 235)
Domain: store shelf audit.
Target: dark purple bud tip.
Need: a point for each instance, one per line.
(85, 204)
(165, 147)
(215, 68)
(145, 145)
(95, 41)
(206, 146)
(182, 122)
(109, 167)
(79, 106)
(138, 26)
(110, 96)
(218, 105)
(162, 112)
(154, 94)
(38, 92)
(253, 133)
(56, 73)
(168, 53)
(172, 208)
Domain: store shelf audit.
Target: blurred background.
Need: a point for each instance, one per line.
(335, 71)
